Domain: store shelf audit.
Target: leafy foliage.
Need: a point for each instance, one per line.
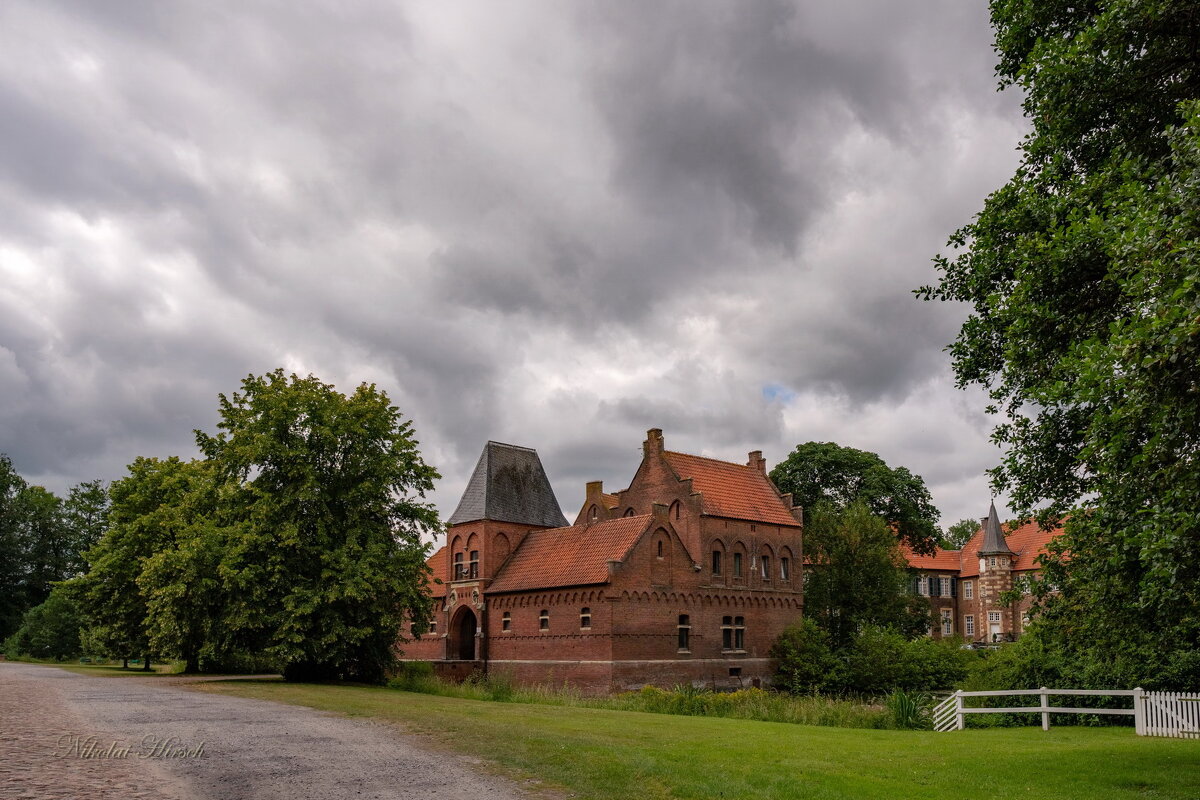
(327, 495)
(875, 661)
(42, 539)
(959, 534)
(49, 630)
(857, 575)
(1083, 277)
(818, 472)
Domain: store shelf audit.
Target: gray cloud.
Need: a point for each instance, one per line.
(556, 225)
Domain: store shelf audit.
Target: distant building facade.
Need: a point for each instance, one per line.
(685, 577)
(965, 587)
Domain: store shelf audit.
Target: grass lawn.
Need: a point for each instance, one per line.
(596, 753)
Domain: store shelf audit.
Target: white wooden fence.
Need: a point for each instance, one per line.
(1154, 713)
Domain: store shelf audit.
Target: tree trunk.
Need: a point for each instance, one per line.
(146, 664)
(125, 663)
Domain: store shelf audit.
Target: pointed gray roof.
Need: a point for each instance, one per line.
(509, 485)
(993, 535)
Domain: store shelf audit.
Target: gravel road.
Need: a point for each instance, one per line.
(62, 734)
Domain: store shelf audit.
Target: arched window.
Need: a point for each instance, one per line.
(660, 548)
(593, 512)
(629, 512)
(684, 631)
(676, 510)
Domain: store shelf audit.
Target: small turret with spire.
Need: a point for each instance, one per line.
(993, 536)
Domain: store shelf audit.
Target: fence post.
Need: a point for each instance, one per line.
(1139, 711)
(1045, 709)
(959, 721)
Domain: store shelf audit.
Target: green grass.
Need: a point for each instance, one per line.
(603, 753)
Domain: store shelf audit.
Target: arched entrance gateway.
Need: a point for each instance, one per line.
(463, 640)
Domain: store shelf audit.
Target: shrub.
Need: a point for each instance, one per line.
(50, 630)
(806, 663)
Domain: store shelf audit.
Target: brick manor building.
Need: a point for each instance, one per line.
(685, 577)
(964, 586)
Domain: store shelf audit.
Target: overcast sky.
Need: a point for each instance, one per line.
(553, 224)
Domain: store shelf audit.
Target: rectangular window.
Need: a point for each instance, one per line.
(968, 590)
(945, 586)
(969, 625)
(716, 562)
(947, 623)
(739, 633)
(923, 587)
(433, 626)
(726, 633)
(585, 618)
(506, 621)
(766, 567)
(458, 566)
(684, 633)
(737, 565)
(993, 616)
(785, 569)
(473, 565)
(991, 561)
(544, 620)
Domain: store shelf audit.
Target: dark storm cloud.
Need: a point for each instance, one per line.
(555, 225)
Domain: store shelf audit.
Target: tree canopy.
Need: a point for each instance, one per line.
(1082, 276)
(818, 472)
(959, 534)
(326, 492)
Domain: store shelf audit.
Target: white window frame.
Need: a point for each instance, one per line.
(994, 616)
(944, 586)
(947, 623)
(969, 625)
(968, 590)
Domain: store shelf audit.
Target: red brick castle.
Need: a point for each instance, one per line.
(685, 577)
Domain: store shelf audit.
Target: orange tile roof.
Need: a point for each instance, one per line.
(610, 500)
(940, 560)
(573, 556)
(732, 490)
(1027, 541)
(437, 563)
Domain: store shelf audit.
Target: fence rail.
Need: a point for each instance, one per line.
(1154, 713)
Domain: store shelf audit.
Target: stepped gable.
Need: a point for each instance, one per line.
(735, 491)
(509, 485)
(437, 565)
(570, 556)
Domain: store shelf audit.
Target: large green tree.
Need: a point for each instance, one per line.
(12, 562)
(856, 576)
(1084, 282)
(328, 493)
(143, 521)
(818, 472)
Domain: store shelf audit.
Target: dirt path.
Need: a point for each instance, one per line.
(186, 745)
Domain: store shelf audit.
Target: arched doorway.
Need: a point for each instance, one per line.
(462, 635)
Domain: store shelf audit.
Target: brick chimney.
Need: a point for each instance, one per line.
(757, 461)
(654, 441)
